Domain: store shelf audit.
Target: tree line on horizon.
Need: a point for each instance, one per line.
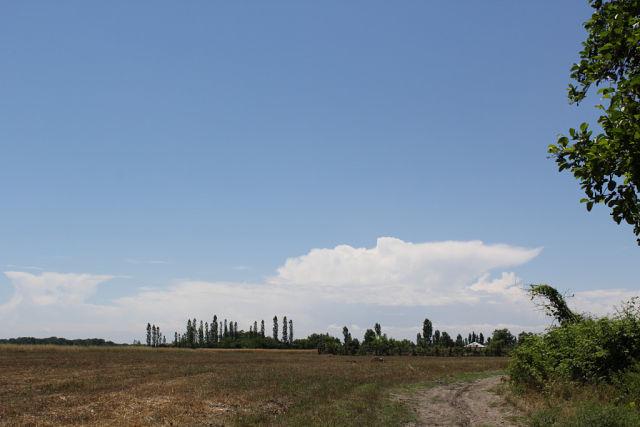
(224, 333)
(59, 341)
(428, 343)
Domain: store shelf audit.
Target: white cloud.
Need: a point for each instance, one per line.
(53, 288)
(601, 301)
(507, 285)
(397, 283)
(395, 272)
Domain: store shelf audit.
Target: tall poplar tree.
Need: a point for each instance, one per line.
(427, 331)
(194, 327)
(285, 334)
(215, 328)
(290, 331)
(275, 328)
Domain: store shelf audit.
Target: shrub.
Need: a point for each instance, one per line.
(627, 385)
(589, 413)
(588, 350)
(598, 415)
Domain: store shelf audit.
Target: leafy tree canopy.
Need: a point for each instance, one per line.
(607, 162)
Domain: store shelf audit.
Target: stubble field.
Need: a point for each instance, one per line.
(48, 385)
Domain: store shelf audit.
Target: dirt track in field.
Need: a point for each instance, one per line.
(473, 403)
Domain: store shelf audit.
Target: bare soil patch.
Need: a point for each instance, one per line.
(474, 403)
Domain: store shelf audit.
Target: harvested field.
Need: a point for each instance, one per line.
(49, 385)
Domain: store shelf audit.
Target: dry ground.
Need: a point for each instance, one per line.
(463, 403)
(48, 385)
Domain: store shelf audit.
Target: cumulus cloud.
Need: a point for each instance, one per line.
(601, 301)
(458, 285)
(53, 288)
(507, 285)
(395, 272)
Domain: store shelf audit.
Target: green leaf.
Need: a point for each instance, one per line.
(563, 140)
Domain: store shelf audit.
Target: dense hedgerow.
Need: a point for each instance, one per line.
(588, 350)
(586, 370)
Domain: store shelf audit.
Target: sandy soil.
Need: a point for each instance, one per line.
(461, 404)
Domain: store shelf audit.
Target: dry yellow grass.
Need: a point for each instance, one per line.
(49, 385)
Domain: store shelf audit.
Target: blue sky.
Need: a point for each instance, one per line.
(160, 143)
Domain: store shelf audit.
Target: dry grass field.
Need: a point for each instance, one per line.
(47, 385)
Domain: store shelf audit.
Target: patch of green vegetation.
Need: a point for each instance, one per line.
(584, 372)
(589, 413)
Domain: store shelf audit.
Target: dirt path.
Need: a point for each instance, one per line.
(461, 404)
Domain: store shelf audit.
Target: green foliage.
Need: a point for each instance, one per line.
(553, 303)
(592, 414)
(285, 333)
(226, 334)
(325, 343)
(588, 350)
(607, 164)
(59, 341)
(275, 328)
(502, 341)
(627, 385)
(607, 415)
(427, 330)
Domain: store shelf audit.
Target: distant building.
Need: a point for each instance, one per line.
(474, 345)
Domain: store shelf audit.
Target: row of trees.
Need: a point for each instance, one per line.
(154, 337)
(429, 337)
(428, 342)
(224, 333)
(58, 341)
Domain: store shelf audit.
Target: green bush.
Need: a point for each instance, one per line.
(545, 417)
(598, 415)
(588, 369)
(627, 385)
(589, 350)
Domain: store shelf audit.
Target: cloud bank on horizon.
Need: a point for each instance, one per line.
(459, 285)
